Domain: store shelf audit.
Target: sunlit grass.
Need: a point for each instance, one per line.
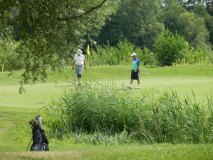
(130, 152)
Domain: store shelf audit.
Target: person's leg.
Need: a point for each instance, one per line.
(130, 84)
(138, 80)
(131, 81)
(79, 79)
(138, 87)
(80, 71)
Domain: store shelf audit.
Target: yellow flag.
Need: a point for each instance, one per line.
(88, 50)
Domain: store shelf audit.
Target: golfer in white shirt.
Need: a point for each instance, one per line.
(79, 64)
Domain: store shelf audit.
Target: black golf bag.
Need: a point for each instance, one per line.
(40, 141)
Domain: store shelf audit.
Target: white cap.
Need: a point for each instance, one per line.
(134, 54)
(79, 51)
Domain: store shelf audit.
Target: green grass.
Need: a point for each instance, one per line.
(183, 79)
(129, 152)
(16, 110)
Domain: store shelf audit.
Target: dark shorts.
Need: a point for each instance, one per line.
(135, 75)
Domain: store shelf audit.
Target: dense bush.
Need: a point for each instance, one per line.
(170, 48)
(202, 54)
(120, 54)
(148, 118)
(112, 55)
(147, 57)
(106, 55)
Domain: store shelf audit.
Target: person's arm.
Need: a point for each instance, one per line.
(85, 64)
(73, 63)
(138, 65)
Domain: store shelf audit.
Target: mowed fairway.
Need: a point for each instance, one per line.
(16, 110)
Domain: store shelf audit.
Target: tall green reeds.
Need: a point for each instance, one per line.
(98, 109)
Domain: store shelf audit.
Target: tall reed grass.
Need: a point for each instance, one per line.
(104, 110)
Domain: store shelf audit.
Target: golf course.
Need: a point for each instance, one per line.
(106, 80)
(193, 81)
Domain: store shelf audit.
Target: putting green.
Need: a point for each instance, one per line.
(39, 95)
(182, 79)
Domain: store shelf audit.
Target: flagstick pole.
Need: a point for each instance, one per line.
(2, 68)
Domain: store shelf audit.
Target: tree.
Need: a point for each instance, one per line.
(138, 21)
(172, 11)
(201, 11)
(209, 25)
(193, 28)
(187, 24)
(209, 7)
(49, 30)
(204, 9)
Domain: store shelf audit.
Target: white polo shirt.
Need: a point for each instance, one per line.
(79, 59)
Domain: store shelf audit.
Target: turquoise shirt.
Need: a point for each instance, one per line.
(135, 63)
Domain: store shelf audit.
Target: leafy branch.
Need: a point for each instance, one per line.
(83, 14)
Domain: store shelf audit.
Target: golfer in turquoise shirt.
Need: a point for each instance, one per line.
(135, 70)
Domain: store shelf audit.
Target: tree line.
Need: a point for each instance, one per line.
(40, 34)
(163, 32)
(141, 21)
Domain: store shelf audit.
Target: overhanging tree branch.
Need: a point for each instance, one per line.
(83, 14)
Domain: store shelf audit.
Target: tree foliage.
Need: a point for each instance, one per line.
(112, 55)
(141, 22)
(48, 31)
(170, 48)
(190, 4)
(204, 9)
(187, 24)
(138, 21)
